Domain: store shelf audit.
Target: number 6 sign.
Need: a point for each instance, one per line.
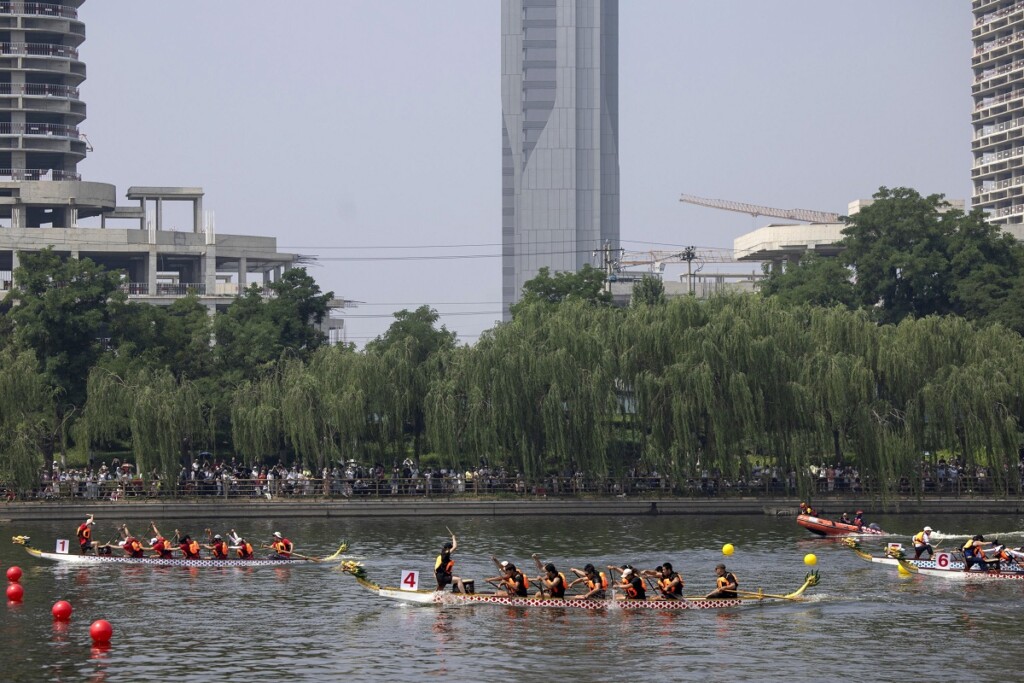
(410, 580)
(943, 560)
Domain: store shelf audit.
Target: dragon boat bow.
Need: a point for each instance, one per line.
(893, 554)
(94, 560)
(428, 597)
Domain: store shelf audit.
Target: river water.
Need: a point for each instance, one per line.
(312, 623)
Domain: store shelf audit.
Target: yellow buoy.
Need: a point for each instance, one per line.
(810, 560)
(728, 549)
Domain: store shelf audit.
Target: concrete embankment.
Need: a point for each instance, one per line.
(456, 507)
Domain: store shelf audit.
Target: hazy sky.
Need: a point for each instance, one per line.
(367, 133)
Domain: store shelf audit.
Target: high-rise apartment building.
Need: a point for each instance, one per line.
(998, 117)
(560, 136)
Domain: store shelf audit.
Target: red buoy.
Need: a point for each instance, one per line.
(61, 610)
(101, 631)
(15, 592)
(14, 574)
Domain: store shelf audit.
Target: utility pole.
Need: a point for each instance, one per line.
(608, 264)
(688, 254)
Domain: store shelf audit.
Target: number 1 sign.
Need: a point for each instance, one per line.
(62, 546)
(410, 580)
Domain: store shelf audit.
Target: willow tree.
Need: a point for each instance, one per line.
(164, 418)
(27, 414)
(537, 394)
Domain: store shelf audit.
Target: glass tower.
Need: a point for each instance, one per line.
(560, 136)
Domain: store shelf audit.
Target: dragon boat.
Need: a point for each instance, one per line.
(893, 553)
(957, 573)
(95, 560)
(431, 597)
(828, 527)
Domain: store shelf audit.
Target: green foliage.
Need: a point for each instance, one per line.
(256, 331)
(911, 256)
(649, 291)
(27, 416)
(59, 311)
(816, 280)
(587, 285)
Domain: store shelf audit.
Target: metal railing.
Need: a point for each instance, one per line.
(998, 99)
(998, 42)
(57, 130)
(991, 129)
(45, 9)
(998, 14)
(38, 174)
(39, 90)
(439, 486)
(39, 50)
(998, 70)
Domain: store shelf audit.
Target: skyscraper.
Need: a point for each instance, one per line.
(560, 136)
(998, 117)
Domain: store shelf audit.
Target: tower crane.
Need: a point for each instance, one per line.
(755, 210)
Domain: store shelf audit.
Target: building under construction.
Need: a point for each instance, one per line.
(43, 197)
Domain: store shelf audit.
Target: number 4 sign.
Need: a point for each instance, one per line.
(62, 546)
(410, 580)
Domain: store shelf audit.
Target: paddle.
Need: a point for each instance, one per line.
(760, 595)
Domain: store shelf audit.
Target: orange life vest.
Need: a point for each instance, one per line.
(602, 582)
(220, 550)
(668, 587)
(245, 551)
(161, 549)
(442, 566)
(132, 547)
(282, 547)
(190, 549)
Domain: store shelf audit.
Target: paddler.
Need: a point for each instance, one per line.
(512, 582)
(443, 566)
(160, 546)
(726, 584)
(631, 584)
(241, 547)
(923, 543)
(131, 546)
(552, 583)
(282, 547)
(974, 554)
(84, 534)
(189, 548)
(217, 546)
(596, 582)
(670, 583)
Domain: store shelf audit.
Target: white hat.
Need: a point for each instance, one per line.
(153, 541)
(504, 563)
(217, 536)
(627, 572)
(927, 528)
(277, 534)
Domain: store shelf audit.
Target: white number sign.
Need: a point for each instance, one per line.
(943, 560)
(62, 546)
(410, 580)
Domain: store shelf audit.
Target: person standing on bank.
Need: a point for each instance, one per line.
(443, 566)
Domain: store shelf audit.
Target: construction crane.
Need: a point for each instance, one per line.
(754, 210)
